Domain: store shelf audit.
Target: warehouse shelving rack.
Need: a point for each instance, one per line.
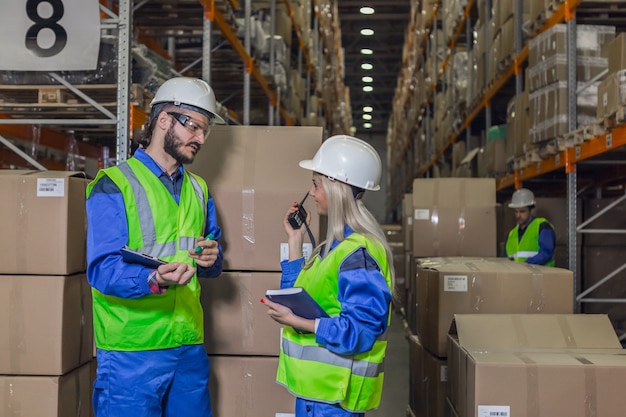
(128, 118)
(564, 160)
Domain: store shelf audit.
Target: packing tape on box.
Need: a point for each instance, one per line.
(247, 201)
(591, 399)
(532, 385)
(537, 302)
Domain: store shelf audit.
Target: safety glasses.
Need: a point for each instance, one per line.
(191, 125)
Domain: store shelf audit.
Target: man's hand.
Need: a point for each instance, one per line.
(207, 257)
(174, 273)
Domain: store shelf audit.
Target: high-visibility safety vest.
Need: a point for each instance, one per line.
(159, 227)
(309, 370)
(520, 250)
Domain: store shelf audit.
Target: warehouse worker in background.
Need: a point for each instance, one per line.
(148, 322)
(335, 367)
(533, 239)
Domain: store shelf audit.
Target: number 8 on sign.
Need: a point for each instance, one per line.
(41, 23)
(49, 35)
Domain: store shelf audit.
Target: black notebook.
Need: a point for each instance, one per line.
(298, 300)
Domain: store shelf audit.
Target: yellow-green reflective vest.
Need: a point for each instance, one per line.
(159, 227)
(528, 246)
(309, 370)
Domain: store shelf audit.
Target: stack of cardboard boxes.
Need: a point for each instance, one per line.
(454, 269)
(46, 330)
(254, 177)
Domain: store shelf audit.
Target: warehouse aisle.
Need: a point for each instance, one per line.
(396, 387)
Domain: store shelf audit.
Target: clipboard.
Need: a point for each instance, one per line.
(134, 257)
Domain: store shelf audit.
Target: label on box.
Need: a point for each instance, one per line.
(307, 250)
(50, 187)
(443, 373)
(421, 214)
(409, 220)
(455, 283)
(494, 411)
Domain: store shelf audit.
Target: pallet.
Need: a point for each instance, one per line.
(544, 150)
(613, 119)
(30, 95)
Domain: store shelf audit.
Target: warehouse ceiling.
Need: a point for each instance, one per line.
(182, 20)
(389, 23)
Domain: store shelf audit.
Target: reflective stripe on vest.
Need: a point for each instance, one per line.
(175, 317)
(309, 370)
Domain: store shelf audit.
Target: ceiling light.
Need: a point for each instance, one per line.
(367, 125)
(367, 79)
(367, 32)
(368, 109)
(367, 66)
(366, 51)
(367, 116)
(368, 88)
(366, 10)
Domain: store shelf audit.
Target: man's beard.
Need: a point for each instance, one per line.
(173, 145)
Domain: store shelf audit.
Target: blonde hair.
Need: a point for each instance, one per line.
(345, 209)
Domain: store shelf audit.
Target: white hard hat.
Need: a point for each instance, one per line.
(347, 159)
(522, 198)
(190, 93)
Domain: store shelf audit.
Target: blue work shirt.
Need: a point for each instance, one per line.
(365, 298)
(107, 233)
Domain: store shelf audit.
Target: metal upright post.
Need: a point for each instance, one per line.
(487, 61)
(247, 70)
(207, 44)
(517, 24)
(571, 167)
(272, 105)
(123, 79)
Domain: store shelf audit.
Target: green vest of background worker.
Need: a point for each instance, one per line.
(533, 239)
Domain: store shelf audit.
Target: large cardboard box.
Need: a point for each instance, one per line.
(245, 386)
(427, 380)
(235, 320)
(46, 325)
(454, 217)
(44, 224)
(253, 176)
(458, 285)
(47, 396)
(616, 51)
(535, 365)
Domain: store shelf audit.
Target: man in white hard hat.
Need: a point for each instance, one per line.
(148, 321)
(533, 239)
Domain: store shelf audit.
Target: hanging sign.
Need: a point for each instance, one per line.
(49, 35)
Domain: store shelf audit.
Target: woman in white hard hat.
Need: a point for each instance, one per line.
(148, 319)
(532, 240)
(334, 365)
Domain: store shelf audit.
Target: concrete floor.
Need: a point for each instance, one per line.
(395, 397)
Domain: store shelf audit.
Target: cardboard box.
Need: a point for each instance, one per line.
(245, 386)
(253, 175)
(46, 324)
(44, 214)
(539, 365)
(407, 221)
(616, 51)
(449, 286)
(235, 321)
(47, 396)
(427, 381)
(454, 217)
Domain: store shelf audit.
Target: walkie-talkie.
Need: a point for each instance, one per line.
(298, 217)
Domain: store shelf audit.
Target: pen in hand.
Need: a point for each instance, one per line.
(209, 237)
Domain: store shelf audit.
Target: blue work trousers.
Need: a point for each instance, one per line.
(154, 383)
(307, 408)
